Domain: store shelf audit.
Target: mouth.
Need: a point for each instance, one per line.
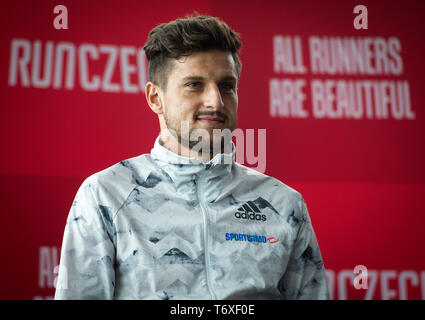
(210, 120)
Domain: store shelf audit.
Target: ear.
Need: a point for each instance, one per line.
(153, 97)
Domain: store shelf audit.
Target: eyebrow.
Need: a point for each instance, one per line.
(199, 78)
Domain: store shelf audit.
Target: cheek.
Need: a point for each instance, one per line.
(232, 103)
(189, 107)
(178, 106)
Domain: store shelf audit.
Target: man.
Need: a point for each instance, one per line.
(186, 221)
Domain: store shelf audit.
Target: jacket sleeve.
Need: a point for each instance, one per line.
(305, 276)
(86, 269)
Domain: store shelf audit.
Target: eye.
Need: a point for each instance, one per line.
(194, 84)
(227, 86)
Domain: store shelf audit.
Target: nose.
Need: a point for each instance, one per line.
(213, 99)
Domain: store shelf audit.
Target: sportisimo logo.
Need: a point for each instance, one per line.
(249, 238)
(250, 211)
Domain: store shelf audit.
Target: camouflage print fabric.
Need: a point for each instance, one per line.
(159, 226)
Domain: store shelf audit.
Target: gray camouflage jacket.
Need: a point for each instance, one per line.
(159, 226)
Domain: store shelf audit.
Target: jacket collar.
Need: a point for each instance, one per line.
(167, 157)
(184, 170)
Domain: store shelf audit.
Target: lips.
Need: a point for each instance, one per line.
(211, 120)
(215, 119)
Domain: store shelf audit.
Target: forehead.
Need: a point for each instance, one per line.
(208, 64)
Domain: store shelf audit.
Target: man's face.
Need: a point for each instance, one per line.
(201, 92)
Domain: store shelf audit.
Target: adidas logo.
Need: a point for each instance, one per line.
(250, 211)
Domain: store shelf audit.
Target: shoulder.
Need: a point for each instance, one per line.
(110, 187)
(264, 183)
(287, 201)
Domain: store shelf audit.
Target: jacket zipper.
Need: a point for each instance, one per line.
(206, 241)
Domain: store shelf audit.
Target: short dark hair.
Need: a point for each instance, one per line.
(185, 36)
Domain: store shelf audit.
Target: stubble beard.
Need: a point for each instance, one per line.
(204, 141)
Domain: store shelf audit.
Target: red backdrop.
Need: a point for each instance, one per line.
(349, 138)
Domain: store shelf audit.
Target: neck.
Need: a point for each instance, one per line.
(170, 142)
